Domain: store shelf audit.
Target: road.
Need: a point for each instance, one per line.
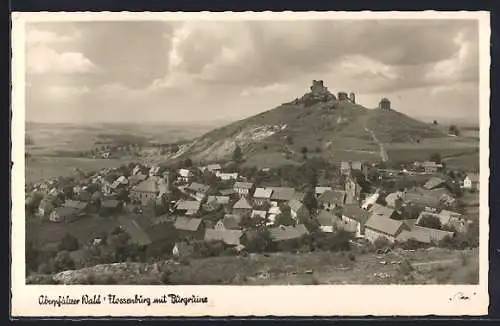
(383, 152)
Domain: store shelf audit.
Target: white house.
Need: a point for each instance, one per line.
(471, 181)
(243, 188)
(357, 217)
(227, 176)
(184, 175)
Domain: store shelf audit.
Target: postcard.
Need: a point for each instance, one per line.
(250, 164)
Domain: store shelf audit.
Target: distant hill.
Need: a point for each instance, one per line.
(317, 124)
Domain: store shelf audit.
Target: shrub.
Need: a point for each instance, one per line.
(68, 242)
(405, 267)
(165, 277)
(110, 280)
(430, 221)
(381, 243)
(351, 256)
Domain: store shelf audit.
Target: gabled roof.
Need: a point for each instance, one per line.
(243, 185)
(188, 205)
(187, 224)
(229, 237)
(384, 225)
(282, 233)
(345, 165)
(355, 212)
(263, 193)
(416, 234)
(136, 178)
(326, 218)
(242, 204)
(231, 222)
(434, 234)
(336, 197)
(282, 193)
(198, 187)
(148, 185)
(136, 229)
(295, 205)
(226, 192)
(213, 167)
(382, 211)
(223, 200)
(274, 210)
(321, 190)
(391, 198)
(184, 173)
(356, 165)
(433, 183)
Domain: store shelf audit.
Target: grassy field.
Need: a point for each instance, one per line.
(466, 162)
(85, 229)
(40, 168)
(429, 267)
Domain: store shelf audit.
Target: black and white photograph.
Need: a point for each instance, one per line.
(253, 151)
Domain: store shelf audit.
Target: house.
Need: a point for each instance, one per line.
(229, 222)
(259, 214)
(199, 190)
(298, 210)
(229, 237)
(185, 175)
(318, 191)
(144, 232)
(136, 170)
(431, 167)
(243, 188)
(188, 207)
(446, 217)
(347, 167)
(282, 194)
(227, 192)
(262, 196)
(145, 191)
(191, 227)
(471, 181)
(286, 233)
(434, 183)
(382, 211)
(392, 198)
(327, 221)
(352, 190)
(182, 249)
(370, 201)
(242, 207)
(154, 171)
(110, 206)
(380, 226)
(227, 176)
(60, 214)
(84, 195)
(435, 234)
(331, 199)
(416, 234)
(221, 200)
(136, 179)
(272, 213)
(357, 217)
(212, 168)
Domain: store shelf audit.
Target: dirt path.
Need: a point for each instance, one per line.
(442, 261)
(383, 152)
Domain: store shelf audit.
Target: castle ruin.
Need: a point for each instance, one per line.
(384, 104)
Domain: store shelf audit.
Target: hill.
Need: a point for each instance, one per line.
(317, 124)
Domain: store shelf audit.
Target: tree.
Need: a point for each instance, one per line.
(310, 202)
(454, 130)
(68, 242)
(435, 157)
(188, 163)
(259, 241)
(68, 192)
(285, 218)
(237, 154)
(304, 150)
(63, 261)
(434, 122)
(430, 221)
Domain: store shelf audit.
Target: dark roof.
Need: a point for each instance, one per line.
(198, 187)
(282, 193)
(384, 225)
(148, 185)
(295, 205)
(223, 200)
(75, 204)
(282, 233)
(326, 218)
(382, 211)
(416, 234)
(187, 224)
(357, 213)
(336, 197)
(136, 229)
(188, 205)
(231, 223)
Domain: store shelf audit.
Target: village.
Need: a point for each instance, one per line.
(184, 211)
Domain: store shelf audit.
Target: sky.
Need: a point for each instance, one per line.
(208, 71)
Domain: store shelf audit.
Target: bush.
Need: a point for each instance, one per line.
(405, 267)
(351, 256)
(109, 280)
(381, 243)
(165, 277)
(68, 242)
(430, 221)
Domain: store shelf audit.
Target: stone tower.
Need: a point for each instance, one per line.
(342, 96)
(352, 98)
(352, 190)
(384, 104)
